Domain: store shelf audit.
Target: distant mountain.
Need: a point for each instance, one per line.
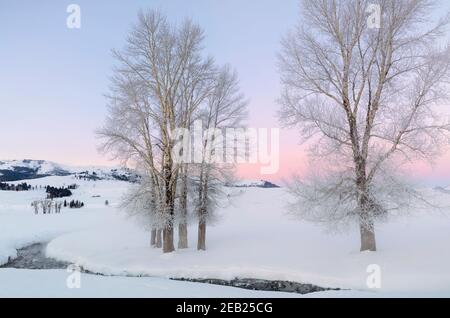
(16, 170)
(443, 190)
(121, 174)
(253, 184)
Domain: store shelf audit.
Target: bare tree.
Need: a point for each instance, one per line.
(35, 205)
(364, 90)
(156, 87)
(225, 108)
(141, 204)
(196, 86)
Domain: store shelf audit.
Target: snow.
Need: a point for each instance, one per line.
(254, 238)
(28, 283)
(253, 184)
(19, 227)
(43, 167)
(48, 168)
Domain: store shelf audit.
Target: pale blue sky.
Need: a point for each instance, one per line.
(52, 79)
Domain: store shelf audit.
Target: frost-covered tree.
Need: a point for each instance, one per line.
(160, 85)
(159, 62)
(196, 85)
(141, 204)
(35, 205)
(226, 107)
(365, 90)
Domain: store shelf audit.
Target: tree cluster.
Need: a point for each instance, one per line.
(164, 83)
(87, 176)
(13, 187)
(61, 192)
(74, 204)
(47, 206)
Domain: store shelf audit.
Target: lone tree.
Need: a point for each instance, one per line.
(363, 81)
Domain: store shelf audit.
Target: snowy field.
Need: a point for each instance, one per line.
(52, 283)
(253, 238)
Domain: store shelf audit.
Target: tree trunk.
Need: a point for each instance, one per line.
(153, 238)
(168, 246)
(182, 227)
(159, 238)
(368, 242)
(201, 244)
(366, 224)
(366, 209)
(182, 236)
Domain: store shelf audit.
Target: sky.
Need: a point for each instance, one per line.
(53, 79)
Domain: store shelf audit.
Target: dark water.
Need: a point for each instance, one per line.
(264, 285)
(33, 257)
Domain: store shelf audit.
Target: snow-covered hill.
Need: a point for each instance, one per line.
(253, 238)
(252, 184)
(16, 170)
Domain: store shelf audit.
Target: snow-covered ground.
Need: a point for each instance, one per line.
(53, 283)
(254, 238)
